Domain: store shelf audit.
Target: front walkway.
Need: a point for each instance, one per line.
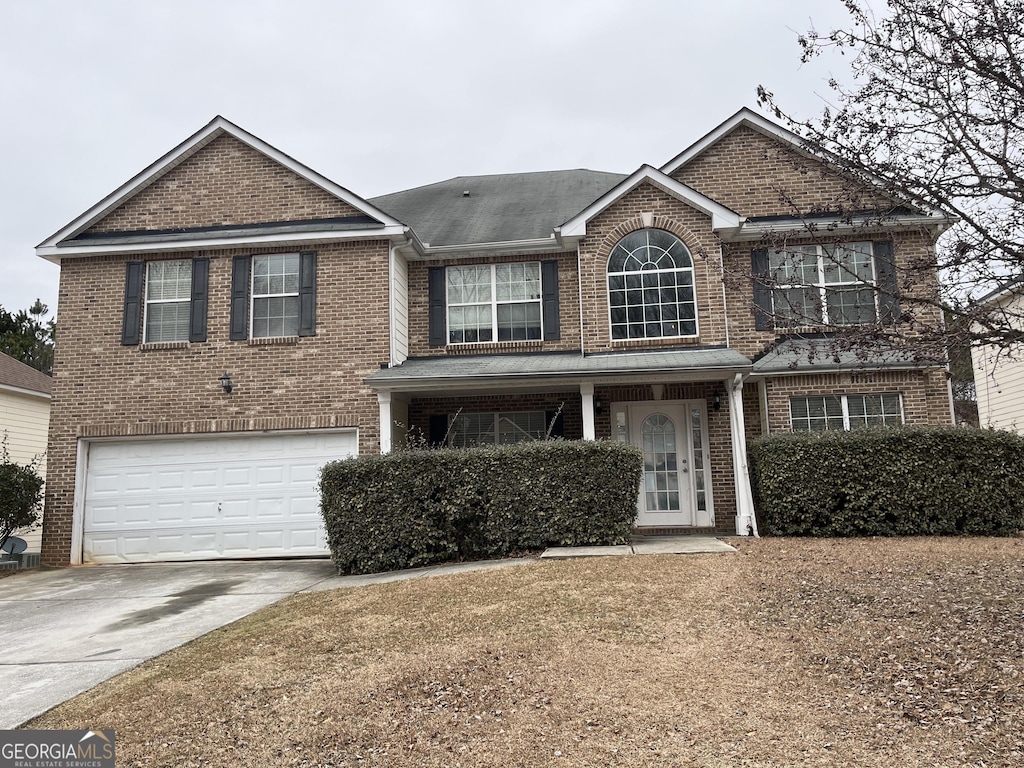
(646, 545)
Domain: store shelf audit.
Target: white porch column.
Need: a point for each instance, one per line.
(384, 403)
(746, 523)
(587, 394)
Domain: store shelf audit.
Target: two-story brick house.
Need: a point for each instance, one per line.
(230, 320)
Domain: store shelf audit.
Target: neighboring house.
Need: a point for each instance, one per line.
(999, 373)
(231, 319)
(24, 418)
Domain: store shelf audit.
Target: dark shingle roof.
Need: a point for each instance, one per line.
(499, 208)
(819, 355)
(14, 373)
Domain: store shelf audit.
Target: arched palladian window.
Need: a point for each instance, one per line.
(650, 287)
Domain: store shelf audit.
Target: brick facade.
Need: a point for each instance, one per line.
(103, 389)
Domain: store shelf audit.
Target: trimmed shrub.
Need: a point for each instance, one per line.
(890, 482)
(413, 508)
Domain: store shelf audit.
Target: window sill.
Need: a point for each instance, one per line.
(275, 341)
(153, 346)
(656, 341)
(493, 346)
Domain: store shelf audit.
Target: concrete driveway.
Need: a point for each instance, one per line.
(64, 631)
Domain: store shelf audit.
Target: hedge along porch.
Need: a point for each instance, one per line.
(684, 408)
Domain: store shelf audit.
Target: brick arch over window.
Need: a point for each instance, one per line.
(651, 286)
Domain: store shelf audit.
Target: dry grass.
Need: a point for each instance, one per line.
(791, 653)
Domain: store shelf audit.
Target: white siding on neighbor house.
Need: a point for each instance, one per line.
(999, 381)
(25, 419)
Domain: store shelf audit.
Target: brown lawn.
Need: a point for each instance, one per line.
(904, 652)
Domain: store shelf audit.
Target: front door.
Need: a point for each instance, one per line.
(672, 437)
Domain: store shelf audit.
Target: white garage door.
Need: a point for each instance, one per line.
(206, 498)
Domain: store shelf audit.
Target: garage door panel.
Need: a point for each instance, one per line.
(206, 498)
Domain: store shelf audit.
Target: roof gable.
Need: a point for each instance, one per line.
(178, 181)
(722, 218)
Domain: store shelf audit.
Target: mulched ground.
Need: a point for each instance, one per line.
(877, 652)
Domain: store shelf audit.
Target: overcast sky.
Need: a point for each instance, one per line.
(377, 95)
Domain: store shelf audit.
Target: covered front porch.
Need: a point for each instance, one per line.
(686, 409)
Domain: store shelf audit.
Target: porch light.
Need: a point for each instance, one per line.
(598, 406)
(225, 382)
(716, 400)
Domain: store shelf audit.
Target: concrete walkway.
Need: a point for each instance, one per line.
(64, 631)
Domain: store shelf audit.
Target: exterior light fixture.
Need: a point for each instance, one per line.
(599, 406)
(716, 400)
(225, 381)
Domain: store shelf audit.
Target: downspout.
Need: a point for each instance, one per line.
(746, 521)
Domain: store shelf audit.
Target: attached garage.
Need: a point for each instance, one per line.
(204, 498)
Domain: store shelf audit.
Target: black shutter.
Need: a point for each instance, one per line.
(240, 298)
(888, 284)
(198, 305)
(307, 293)
(132, 322)
(438, 428)
(762, 293)
(549, 299)
(558, 430)
(436, 307)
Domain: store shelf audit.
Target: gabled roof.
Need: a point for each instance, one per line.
(722, 218)
(15, 375)
(501, 208)
(745, 117)
(58, 245)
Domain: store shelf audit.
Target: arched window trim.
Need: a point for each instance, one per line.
(682, 311)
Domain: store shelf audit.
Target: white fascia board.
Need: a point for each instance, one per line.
(23, 391)
(745, 116)
(55, 253)
(721, 217)
(750, 231)
(217, 127)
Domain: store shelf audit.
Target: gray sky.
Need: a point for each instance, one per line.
(377, 95)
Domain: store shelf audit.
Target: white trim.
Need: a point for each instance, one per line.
(252, 293)
(216, 128)
(78, 505)
(744, 116)
(536, 245)
(386, 426)
(722, 218)
(55, 253)
(22, 391)
(746, 520)
(587, 396)
(493, 302)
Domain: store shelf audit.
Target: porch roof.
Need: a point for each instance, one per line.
(821, 356)
(545, 368)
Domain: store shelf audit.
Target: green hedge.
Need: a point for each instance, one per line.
(889, 482)
(413, 508)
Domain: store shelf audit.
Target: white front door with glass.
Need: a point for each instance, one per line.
(676, 489)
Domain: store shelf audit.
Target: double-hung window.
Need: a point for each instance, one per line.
(165, 301)
(273, 296)
(816, 413)
(168, 286)
(823, 285)
(494, 302)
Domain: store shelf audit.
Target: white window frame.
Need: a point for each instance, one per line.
(148, 301)
(497, 418)
(693, 286)
(784, 314)
(253, 295)
(845, 404)
(494, 302)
